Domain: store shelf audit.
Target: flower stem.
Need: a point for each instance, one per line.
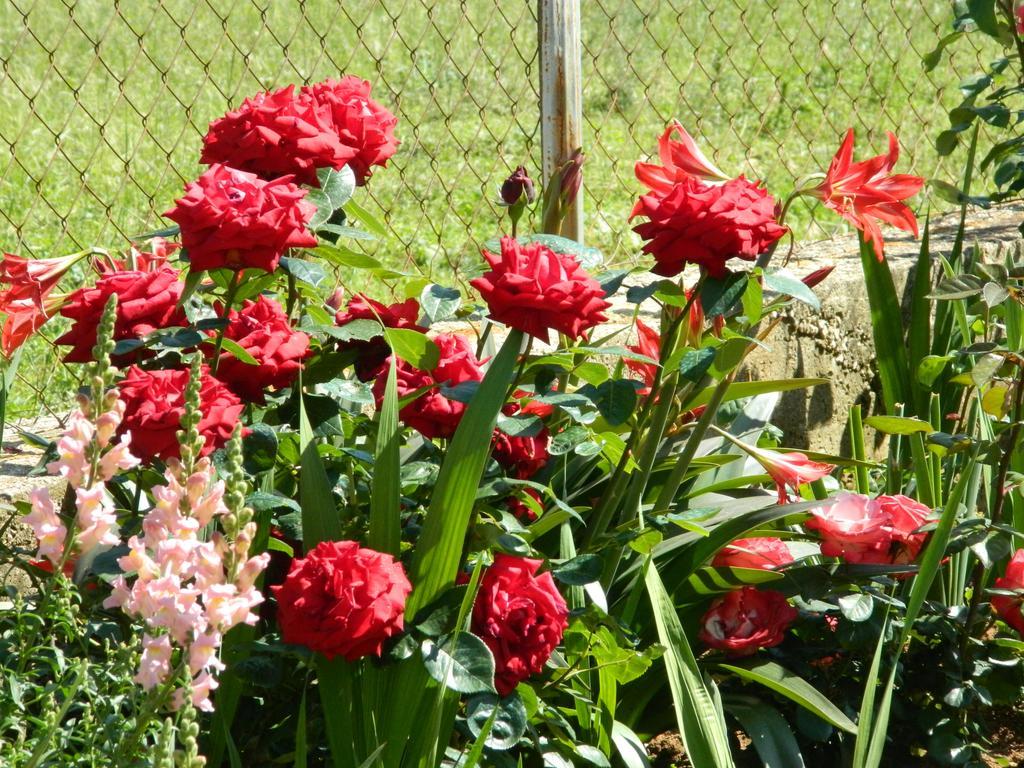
(229, 299)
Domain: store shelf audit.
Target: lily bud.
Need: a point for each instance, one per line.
(817, 276)
(572, 177)
(516, 186)
(336, 300)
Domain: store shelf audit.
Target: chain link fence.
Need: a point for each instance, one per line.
(103, 103)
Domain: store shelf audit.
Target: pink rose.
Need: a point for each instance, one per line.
(764, 552)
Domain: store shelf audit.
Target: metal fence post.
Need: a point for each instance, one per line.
(561, 94)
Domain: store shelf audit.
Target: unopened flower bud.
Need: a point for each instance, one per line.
(817, 276)
(572, 177)
(336, 300)
(516, 185)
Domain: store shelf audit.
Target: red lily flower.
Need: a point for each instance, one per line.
(648, 344)
(786, 469)
(867, 191)
(680, 159)
(31, 279)
(24, 318)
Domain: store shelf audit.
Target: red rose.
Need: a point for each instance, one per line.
(746, 619)
(234, 219)
(706, 224)
(277, 133)
(360, 123)
(155, 402)
(146, 302)
(1009, 608)
(433, 414)
(261, 328)
(876, 531)
(534, 289)
(523, 511)
(520, 616)
(342, 600)
(905, 516)
(372, 353)
(523, 456)
(765, 552)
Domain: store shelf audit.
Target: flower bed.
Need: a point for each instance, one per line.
(311, 526)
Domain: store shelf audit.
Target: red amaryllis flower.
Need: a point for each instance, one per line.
(138, 260)
(746, 619)
(680, 159)
(372, 353)
(278, 133)
(24, 318)
(520, 616)
(146, 302)
(360, 123)
(534, 289)
(31, 279)
(234, 219)
(786, 469)
(342, 600)
(155, 402)
(261, 328)
(868, 191)
(648, 344)
(765, 552)
(1009, 607)
(432, 414)
(706, 224)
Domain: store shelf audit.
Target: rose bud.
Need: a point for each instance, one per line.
(765, 553)
(516, 185)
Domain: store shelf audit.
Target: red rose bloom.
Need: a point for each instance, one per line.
(433, 414)
(523, 456)
(261, 328)
(146, 302)
(234, 219)
(746, 619)
(874, 531)
(523, 511)
(1006, 606)
(360, 123)
(534, 289)
(277, 133)
(342, 600)
(706, 224)
(155, 402)
(765, 552)
(372, 353)
(906, 515)
(520, 616)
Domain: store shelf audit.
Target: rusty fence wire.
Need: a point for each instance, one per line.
(103, 104)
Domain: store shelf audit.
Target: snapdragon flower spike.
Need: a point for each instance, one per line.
(47, 527)
(188, 591)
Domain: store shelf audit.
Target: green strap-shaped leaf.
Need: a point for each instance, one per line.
(385, 499)
(741, 389)
(700, 722)
(439, 549)
(793, 687)
(767, 728)
(319, 514)
(886, 326)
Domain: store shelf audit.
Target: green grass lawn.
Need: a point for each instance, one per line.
(102, 110)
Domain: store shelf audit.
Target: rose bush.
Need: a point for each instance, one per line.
(392, 521)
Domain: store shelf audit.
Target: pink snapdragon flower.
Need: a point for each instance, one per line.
(47, 527)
